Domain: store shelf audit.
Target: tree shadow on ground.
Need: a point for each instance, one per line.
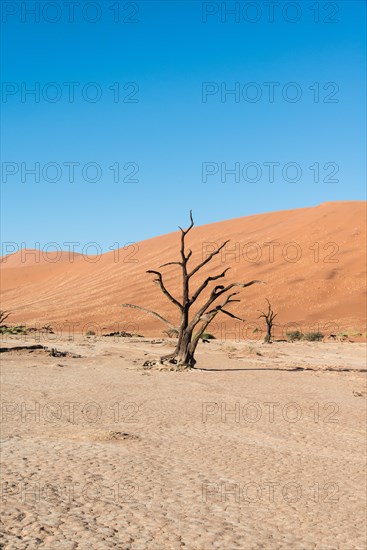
(293, 369)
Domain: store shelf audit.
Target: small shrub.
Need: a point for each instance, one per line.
(229, 349)
(294, 335)
(90, 333)
(207, 336)
(250, 350)
(352, 333)
(20, 329)
(313, 336)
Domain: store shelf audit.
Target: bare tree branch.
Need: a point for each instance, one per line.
(170, 263)
(207, 259)
(4, 315)
(232, 315)
(185, 278)
(269, 314)
(208, 317)
(159, 280)
(218, 291)
(189, 254)
(150, 312)
(205, 284)
(185, 231)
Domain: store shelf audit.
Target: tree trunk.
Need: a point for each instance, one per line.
(267, 338)
(182, 329)
(185, 354)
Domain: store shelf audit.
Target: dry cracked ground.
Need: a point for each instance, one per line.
(262, 448)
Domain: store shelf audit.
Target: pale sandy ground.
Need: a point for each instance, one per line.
(169, 480)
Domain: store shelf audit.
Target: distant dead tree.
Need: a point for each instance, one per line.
(3, 316)
(269, 317)
(192, 326)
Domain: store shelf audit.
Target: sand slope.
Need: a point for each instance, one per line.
(316, 285)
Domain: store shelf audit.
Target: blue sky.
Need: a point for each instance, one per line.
(166, 131)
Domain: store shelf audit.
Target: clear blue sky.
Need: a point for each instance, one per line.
(170, 132)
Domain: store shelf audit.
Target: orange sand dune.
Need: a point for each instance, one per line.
(311, 259)
(27, 256)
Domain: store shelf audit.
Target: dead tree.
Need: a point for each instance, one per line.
(3, 316)
(191, 326)
(269, 317)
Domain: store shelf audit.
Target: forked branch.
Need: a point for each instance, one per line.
(159, 281)
(207, 259)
